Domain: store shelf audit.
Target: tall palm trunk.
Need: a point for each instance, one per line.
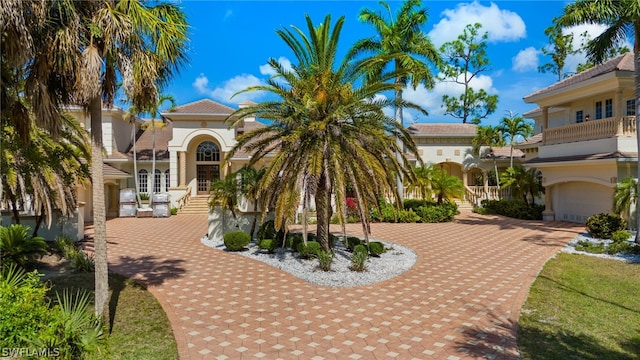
(153, 160)
(135, 163)
(323, 204)
(399, 120)
(99, 211)
(636, 56)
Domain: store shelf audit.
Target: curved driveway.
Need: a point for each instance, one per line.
(461, 300)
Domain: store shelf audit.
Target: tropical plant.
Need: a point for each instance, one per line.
(17, 246)
(327, 130)
(446, 186)
(465, 58)
(154, 113)
(514, 126)
(625, 195)
(236, 240)
(224, 192)
(622, 18)
(400, 43)
(560, 47)
(249, 184)
(523, 183)
(488, 136)
(133, 119)
(422, 182)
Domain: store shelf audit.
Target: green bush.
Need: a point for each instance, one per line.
(79, 260)
(408, 216)
(619, 247)
(594, 248)
(603, 225)
(18, 246)
(144, 196)
(359, 258)
(414, 204)
(416, 210)
(325, 258)
(433, 213)
(236, 240)
(268, 244)
(376, 248)
(309, 250)
(514, 208)
(174, 211)
(352, 242)
(267, 230)
(620, 235)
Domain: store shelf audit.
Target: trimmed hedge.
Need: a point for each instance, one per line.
(415, 210)
(376, 248)
(268, 244)
(514, 208)
(236, 240)
(309, 250)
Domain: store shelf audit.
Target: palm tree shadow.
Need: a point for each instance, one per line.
(149, 270)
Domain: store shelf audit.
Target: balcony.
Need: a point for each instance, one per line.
(591, 130)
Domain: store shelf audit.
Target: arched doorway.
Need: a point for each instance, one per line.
(207, 166)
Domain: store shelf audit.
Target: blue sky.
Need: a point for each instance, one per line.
(231, 41)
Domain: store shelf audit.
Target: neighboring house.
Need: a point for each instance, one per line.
(586, 139)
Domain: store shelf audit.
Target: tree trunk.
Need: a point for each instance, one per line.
(399, 120)
(135, 165)
(636, 56)
(14, 208)
(153, 160)
(99, 211)
(323, 203)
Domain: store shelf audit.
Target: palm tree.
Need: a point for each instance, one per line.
(132, 117)
(154, 113)
(249, 183)
(446, 186)
(401, 43)
(513, 126)
(488, 136)
(327, 131)
(624, 196)
(224, 192)
(525, 183)
(622, 18)
(423, 177)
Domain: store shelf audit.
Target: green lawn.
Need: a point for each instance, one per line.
(141, 329)
(582, 307)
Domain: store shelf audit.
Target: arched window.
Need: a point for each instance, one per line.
(208, 151)
(166, 180)
(157, 180)
(143, 180)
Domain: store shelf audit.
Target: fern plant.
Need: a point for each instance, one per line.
(18, 246)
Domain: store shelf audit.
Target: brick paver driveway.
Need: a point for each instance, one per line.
(461, 300)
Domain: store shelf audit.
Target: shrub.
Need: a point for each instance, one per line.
(352, 242)
(414, 204)
(622, 247)
(268, 244)
(594, 248)
(309, 250)
(174, 211)
(620, 235)
(79, 260)
(236, 240)
(603, 225)
(267, 230)
(514, 209)
(376, 248)
(144, 196)
(408, 216)
(17, 246)
(325, 258)
(359, 258)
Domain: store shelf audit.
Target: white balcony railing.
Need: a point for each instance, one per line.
(590, 130)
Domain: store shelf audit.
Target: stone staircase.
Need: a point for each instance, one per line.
(464, 204)
(197, 205)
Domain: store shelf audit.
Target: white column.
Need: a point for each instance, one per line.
(183, 168)
(548, 214)
(173, 168)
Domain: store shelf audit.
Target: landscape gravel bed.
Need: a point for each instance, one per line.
(395, 261)
(571, 249)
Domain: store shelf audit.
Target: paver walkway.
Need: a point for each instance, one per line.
(461, 300)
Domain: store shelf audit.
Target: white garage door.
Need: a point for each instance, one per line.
(576, 201)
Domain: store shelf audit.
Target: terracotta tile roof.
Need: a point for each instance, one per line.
(115, 154)
(503, 152)
(443, 129)
(144, 143)
(204, 106)
(600, 156)
(109, 171)
(620, 63)
(537, 138)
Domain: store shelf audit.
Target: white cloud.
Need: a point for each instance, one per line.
(266, 69)
(225, 93)
(501, 25)
(526, 60)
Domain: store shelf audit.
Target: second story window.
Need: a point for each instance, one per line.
(598, 110)
(608, 108)
(143, 180)
(579, 116)
(631, 107)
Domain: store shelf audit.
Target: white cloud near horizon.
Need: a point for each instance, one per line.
(501, 25)
(526, 60)
(225, 93)
(266, 69)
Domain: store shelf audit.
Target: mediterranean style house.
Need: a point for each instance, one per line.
(586, 139)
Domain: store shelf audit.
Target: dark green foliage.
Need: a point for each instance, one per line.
(18, 246)
(174, 211)
(514, 208)
(376, 248)
(309, 250)
(268, 244)
(416, 203)
(267, 230)
(325, 258)
(602, 225)
(620, 235)
(594, 248)
(444, 212)
(616, 247)
(236, 240)
(72, 252)
(416, 210)
(359, 258)
(352, 242)
(293, 240)
(408, 216)
(332, 240)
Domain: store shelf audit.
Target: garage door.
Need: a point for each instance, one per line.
(576, 201)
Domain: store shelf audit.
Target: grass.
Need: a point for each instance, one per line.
(140, 328)
(582, 307)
